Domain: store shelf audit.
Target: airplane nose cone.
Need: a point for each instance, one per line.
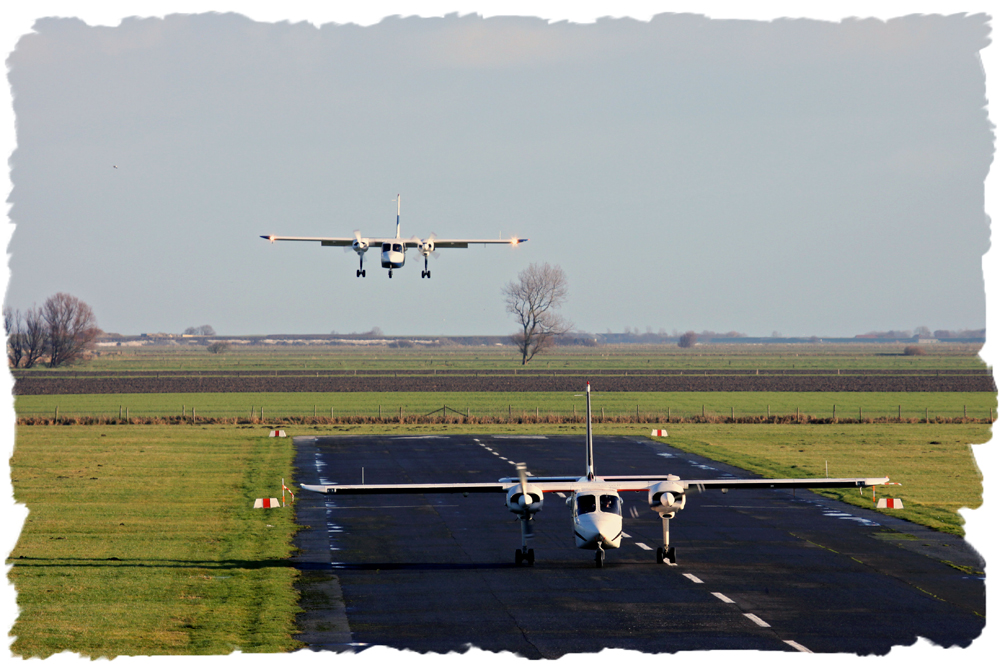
(602, 528)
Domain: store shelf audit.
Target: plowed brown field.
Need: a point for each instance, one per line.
(506, 381)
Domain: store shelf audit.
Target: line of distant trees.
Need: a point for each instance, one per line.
(924, 332)
(204, 331)
(60, 332)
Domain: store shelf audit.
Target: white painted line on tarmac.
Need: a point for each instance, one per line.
(693, 578)
(796, 645)
(625, 535)
(722, 597)
(503, 458)
(757, 620)
(644, 546)
(560, 495)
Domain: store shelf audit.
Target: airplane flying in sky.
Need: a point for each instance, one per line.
(394, 249)
(595, 501)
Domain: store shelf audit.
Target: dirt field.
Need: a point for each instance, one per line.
(506, 381)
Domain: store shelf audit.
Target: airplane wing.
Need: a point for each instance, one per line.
(412, 488)
(332, 242)
(617, 483)
(643, 482)
(462, 243)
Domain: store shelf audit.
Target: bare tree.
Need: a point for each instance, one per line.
(71, 328)
(538, 291)
(26, 336)
(688, 339)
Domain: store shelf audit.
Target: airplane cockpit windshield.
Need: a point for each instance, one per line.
(588, 503)
(386, 247)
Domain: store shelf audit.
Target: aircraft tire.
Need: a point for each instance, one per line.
(599, 559)
(671, 555)
(659, 555)
(362, 273)
(518, 557)
(531, 557)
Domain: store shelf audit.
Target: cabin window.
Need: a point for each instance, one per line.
(610, 504)
(397, 248)
(586, 504)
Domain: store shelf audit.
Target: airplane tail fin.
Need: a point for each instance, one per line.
(397, 215)
(590, 440)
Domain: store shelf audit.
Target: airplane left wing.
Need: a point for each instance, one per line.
(464, 243)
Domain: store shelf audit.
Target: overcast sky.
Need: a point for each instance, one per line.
(809, 177)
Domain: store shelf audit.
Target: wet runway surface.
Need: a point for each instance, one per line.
(757, 569)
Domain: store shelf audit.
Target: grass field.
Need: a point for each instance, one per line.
(651, 407)
(144, 541)
(624, 356)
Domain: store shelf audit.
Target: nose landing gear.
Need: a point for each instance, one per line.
(425, 272)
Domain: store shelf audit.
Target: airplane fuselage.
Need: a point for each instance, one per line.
(597, 519)
(393, 254)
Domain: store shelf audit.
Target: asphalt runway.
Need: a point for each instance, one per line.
(756, 569)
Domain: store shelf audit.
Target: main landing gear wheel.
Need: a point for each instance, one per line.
(666, 555)
(361, 273)
(425, 273)
(521, 556)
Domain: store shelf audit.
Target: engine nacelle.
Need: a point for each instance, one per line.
(524, 503)
(426, 247)
(360, 245)
(667, 497)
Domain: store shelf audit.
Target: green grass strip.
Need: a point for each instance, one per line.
(143, 540)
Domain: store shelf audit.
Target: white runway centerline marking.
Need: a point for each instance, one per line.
(722, 597)
(693, 578)
(644, 546)
(757, 620)
(796, 645)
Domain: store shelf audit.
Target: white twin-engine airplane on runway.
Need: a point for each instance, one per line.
(394, 249)
(596, 505)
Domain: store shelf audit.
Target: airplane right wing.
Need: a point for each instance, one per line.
(412, 488)
(325, 242)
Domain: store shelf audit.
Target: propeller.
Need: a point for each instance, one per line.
(522, 474)
(360, 244)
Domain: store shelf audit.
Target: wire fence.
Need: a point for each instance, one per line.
(317, 414)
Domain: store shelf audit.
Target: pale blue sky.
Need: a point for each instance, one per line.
(800, 176)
